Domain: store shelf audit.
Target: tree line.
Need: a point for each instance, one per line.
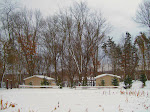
(131, 57)
(66, 43)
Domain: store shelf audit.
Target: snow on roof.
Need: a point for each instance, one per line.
(102, 75)
(40, 76)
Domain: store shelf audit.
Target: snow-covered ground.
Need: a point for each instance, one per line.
(136, 99)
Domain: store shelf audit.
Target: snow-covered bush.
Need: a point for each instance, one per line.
(128, 82)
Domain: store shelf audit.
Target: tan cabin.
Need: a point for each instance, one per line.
(36, 80)
(106, 78)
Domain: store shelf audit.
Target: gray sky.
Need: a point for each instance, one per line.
(119, 13)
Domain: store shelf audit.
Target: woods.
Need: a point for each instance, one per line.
(68, 44)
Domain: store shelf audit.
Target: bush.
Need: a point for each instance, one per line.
(143, 79)
(44, 82)
(30, 83)
(103, 82)
(60, 86)
(115, 81)
(128, 82)
(84, 83)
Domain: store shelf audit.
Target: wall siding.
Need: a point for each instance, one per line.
(37, 81)
(107, 79)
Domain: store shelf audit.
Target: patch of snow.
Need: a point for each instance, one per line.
(136, 84)
(147, 85)
(102, 75)
(71, 100)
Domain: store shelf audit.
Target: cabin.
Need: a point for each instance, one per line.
(106, 79)
(36, 80)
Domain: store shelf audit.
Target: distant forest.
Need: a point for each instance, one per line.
(72, 42)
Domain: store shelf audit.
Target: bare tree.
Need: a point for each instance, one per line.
(143, 14)
(3, 60)
(89, 30)
(8, 36)
(51, 41)
(144, 47)
(71, 41)
(27, 28)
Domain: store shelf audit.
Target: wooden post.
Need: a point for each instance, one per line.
(93, 83)
(7, 84)
(11, 84)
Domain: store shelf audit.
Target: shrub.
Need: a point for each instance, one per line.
(60, 86)
(128, 82)
(143, 79)
(84, 83)
(44, 82)
(115, 81)
(30, 83)
(102, 82)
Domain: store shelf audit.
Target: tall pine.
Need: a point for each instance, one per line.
(113, 51)
(129, 60)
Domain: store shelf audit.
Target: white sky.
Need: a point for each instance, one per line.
(119, 13)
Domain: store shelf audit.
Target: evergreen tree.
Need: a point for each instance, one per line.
(103, 82)
(113, 51)
(44, 82)
(59, 83)
(129, 59)
(143, 79)
(128, 82)
(30, 83)
(115, 81)
(84, 83)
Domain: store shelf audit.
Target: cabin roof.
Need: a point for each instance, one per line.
(40, 76)
(102, 75)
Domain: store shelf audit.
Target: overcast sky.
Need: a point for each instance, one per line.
(119, 13)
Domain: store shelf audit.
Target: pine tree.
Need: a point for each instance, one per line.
(143, 79)
(44, 82)
(115, 81)
(129, 60)
(113, 51)
(103, 82)
(30, 83)
(128, 82)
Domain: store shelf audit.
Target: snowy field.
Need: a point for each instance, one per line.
(79, 100)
